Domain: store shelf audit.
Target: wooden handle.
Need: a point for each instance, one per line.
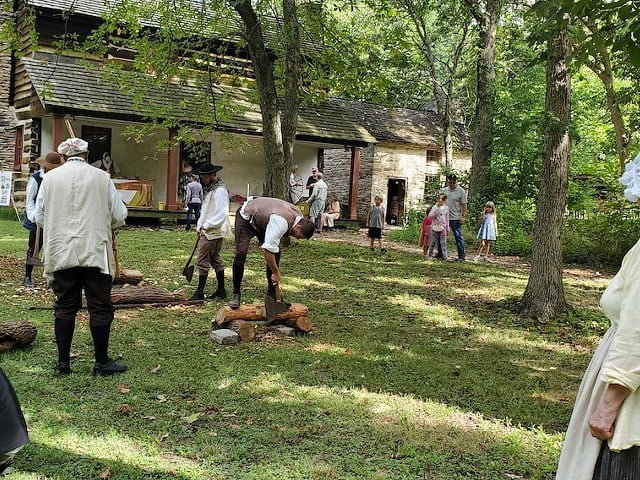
(36, 248)
(114, 245)
(67, 123)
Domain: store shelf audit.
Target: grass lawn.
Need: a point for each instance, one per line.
(416, 370)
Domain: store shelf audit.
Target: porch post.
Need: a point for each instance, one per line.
(353, 184)
(173, 166)
(58, 132)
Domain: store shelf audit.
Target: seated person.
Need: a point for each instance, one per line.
(331, 213)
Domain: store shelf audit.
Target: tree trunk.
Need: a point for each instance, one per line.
(291, 81)
(544, 298)
(263, 65)
(601, 66)
(485, 97)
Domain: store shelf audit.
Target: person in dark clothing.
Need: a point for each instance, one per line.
(13, 428)
(48, 162)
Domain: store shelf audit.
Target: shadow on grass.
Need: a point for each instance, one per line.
(45, 461)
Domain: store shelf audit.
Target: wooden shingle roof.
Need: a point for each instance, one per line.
(403, 125)
(77, 88)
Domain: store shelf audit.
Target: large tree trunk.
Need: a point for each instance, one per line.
(293, 62)
(263, 65)
(487, 19)
(544, 297)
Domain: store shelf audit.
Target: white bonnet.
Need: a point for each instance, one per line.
(73, 146)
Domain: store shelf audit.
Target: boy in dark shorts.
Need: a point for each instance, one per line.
(375, 222)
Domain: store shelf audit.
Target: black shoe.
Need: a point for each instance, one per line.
(219, 295)
(5, 468)
(383, 250)
(109, 368)
(234, 303)
(197, 295)
(62, 369)
(28, 283)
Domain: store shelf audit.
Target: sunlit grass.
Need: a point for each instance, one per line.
(416, 369)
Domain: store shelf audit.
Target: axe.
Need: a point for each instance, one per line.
(34, 260)
(187, 270)
(274, 306)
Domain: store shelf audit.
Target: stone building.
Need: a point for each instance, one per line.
(403, 166)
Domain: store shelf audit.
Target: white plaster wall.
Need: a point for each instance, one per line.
(241, 157)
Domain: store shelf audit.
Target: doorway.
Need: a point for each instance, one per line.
(396, 192)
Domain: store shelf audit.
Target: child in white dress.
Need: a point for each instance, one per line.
(488, 232)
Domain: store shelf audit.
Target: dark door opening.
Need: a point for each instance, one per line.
(396, 192)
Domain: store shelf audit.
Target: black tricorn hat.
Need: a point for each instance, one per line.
(208, 168)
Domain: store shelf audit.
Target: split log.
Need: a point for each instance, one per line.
(257, 312)
(132, 277)
(300, 324)
(245, 330)
(145, 295)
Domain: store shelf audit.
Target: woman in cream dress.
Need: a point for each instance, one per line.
(603, 436)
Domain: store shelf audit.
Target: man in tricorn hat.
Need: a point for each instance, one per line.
(78, 206)
(213, 225)
(47, 162)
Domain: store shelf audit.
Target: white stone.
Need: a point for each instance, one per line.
(224, 336)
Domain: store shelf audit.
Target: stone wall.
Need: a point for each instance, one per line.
(337, 175)
(378, 165)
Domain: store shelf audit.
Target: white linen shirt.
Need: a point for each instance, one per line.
(214, 216)
(276, 229)
(78, 206)
(32, 192)
(622, 363)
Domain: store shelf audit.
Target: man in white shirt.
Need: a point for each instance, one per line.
(269, 219)
(78, 207)
(213, 225)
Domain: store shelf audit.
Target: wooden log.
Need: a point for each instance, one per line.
(245, 330)
(300, 324)
(145, 295)
(257, 312)
(121, 306)
(128, 276)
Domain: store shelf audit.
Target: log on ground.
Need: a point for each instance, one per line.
(128, 276)
(245, 330)
(300, 324)
(257, 312)
(139, 295)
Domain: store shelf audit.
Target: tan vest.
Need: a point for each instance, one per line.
(261, 209)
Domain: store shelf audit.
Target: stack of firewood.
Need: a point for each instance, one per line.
(246, 318)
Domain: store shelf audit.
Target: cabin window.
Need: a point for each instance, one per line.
(432, 156)
(431, 188)
(99, 139)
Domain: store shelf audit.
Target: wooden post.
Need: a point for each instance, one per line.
(173, 170)
(58, 131)
(353, 186)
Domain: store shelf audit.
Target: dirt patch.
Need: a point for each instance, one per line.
(359, 238)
